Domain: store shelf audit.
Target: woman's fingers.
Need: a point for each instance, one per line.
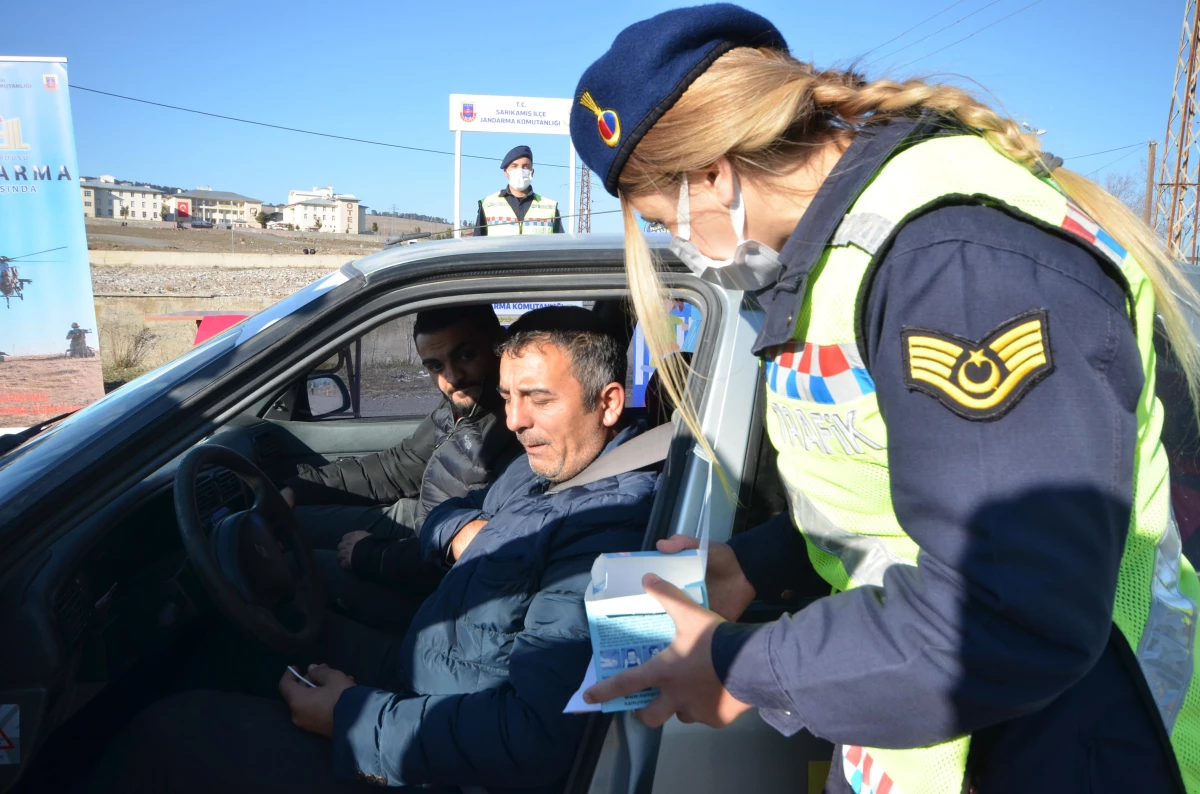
(676, 544)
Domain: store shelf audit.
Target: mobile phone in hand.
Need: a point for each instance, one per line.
(300, 678)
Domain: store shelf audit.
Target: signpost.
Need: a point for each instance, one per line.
(519, 114)
(47, 312)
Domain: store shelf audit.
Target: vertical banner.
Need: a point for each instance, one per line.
(48, 359)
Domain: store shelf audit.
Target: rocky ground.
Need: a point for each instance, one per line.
(271, 282)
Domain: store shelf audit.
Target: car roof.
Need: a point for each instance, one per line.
(535, 244)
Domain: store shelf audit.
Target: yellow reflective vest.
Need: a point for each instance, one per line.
(836, 474)
(501, 220)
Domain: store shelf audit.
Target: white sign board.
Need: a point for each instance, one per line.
(521, 114)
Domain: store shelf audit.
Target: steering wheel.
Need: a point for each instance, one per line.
(241, 559)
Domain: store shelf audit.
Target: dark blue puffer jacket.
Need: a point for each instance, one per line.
(495, 653)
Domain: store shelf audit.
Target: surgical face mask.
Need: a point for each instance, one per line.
(520, 178)
(753, 265)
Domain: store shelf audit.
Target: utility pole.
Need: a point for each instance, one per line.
(584, 223)
(1149, 213)
(1179, 174)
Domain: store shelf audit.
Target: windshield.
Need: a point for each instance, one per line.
(84, 438)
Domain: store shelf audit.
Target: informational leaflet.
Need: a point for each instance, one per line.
(628, 627)
(49, 363)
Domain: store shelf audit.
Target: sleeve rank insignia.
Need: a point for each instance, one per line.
(983, 380)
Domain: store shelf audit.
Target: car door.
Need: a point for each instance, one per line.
(623, 756)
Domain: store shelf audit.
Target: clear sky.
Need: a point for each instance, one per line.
(1095, 73)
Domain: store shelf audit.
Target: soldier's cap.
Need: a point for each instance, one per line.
(515, 153)
(645, 71)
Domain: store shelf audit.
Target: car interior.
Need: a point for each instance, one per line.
(108, 610)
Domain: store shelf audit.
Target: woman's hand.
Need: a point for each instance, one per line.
(729, 592)
(687, 684)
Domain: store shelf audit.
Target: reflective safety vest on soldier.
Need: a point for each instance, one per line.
(517, 209)
(967, 351)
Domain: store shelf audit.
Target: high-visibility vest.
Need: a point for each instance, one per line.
(824, 421)
(539, 218)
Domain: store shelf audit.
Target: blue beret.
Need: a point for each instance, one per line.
(514, 153)
(649, 66)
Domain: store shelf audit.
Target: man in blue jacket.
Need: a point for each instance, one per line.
(473, 695)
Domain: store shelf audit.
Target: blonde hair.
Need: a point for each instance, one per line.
(767, 113)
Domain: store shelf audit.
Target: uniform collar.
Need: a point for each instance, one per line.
(506, 192)
(866, 155)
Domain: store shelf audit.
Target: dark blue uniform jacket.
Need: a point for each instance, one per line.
(1004, 629)
(495, 653)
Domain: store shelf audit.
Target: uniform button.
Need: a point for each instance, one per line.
(787, 713)
(787, 595)
(359, 775)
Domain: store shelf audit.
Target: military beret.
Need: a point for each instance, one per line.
(649, 66)
(515, 153)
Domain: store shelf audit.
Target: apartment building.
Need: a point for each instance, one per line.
(105, 197)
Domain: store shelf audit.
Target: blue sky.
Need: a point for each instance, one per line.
(1095, 73)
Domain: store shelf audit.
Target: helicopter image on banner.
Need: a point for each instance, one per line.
(11, 283)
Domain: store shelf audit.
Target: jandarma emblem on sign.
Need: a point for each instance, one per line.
(50, 82)
(980, 380)
(608, 123)
(468, 111)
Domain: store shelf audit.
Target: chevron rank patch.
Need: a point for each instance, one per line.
(980, 380)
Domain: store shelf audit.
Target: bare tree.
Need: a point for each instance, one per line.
(1129, 189)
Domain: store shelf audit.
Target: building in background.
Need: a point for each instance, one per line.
(105, 197)
(215, 206)
(320, 209)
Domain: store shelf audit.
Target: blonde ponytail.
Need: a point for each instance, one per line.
(767, 112)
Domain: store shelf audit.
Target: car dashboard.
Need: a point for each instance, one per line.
(113, 597)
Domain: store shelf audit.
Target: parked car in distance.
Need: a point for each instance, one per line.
(194, 223)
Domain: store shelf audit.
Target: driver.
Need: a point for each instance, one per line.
(474, 694)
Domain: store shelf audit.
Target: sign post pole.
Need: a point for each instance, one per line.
(571, 212)
(457, 183)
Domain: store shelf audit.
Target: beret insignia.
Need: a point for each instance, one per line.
(979, 380)
(608, 123)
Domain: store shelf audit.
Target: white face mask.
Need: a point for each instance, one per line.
(753, 265)
(520, 178)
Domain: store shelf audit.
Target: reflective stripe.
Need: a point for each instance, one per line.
(865, 557)
(866, 230)
(1167, 648)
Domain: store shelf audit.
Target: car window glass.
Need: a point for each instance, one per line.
(686, 320)
(393, 381)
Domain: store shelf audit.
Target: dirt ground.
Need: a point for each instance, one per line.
(108, 237)
(35, 388)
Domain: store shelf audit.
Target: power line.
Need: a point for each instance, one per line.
(1106, 151)
(931, 35)
(292, 129)
(1114, 162)
(914, 27)
(964, 38)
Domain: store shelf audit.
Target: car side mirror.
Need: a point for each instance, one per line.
(327, 395)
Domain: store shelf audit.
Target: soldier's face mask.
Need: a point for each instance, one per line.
(752, 267)
(520, 178)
